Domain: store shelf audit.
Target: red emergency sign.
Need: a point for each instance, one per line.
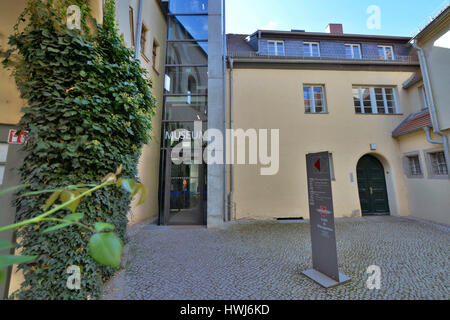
(15, 137)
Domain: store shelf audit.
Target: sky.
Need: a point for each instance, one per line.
(396, 17)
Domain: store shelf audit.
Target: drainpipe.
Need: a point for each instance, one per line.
(432, 107)
(224, 61)
(231, 142)
(139, 30)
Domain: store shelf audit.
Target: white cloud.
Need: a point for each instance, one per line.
(272, 25)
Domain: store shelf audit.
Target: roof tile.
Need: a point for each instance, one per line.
(413, 123)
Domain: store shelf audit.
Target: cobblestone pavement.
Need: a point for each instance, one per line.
(264, 260)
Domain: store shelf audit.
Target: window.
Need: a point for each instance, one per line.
(375, 100)
(386, 52)
(143, 40)
(3, 156)
(183, 6)
(314, 97)
(275, 48)
(353, 51)
(423, 97)
(155, 52)
(131, 17)
(438, 164)
(311, 49)
(414, 165)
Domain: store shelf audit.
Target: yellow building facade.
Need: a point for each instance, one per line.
(273, 99)
(428, 193)
(266, 88)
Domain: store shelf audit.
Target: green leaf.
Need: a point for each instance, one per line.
(35, 193)
(140, 187)
(51, 200)
(83, 73)
(57, 227)
(102, 226)
(6, 244)
(2, 275)
(74, 216)
(2, 192)
(52, 49)
(67, 195)
(9, 260)
(129, 185)
(106, 249)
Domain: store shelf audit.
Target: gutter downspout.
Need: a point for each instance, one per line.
(432, 107)
(224, 61)
(138, 33)
(230, 214)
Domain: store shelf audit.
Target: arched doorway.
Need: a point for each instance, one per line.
(372, 186)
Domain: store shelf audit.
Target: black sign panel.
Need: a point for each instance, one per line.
(323, 236)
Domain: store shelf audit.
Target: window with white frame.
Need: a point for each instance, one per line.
(438, 164)
(353, 51)
(375, 100)
(386, 52)
(311, 49)
(314, 97)
(275, 48)
(414, 165)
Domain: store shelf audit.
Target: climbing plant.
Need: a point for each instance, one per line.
(89, 109)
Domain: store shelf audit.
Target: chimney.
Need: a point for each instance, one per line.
(335, 28)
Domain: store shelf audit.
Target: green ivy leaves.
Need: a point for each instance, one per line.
(89, 109)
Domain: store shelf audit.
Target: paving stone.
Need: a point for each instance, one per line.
(264, 260)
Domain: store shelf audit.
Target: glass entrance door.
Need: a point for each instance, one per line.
(184, 194)
(182, 186)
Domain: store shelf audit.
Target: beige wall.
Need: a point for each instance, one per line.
(273, 99)
(437, 55)
(155, 21)
(10, 101)
(429, 198)
(413, 98)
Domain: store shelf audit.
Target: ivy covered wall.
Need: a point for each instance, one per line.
(89, 110)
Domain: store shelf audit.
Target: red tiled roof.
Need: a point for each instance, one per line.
(414, 122)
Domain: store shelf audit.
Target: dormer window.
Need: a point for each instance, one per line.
(311, 49)
(353, 51)
(275, 48)
(386, 52)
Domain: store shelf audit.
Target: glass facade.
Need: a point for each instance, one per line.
(182, 188)
(188, 6)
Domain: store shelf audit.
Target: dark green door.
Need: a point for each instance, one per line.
(372, 186)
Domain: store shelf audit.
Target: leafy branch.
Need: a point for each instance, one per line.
(105, 247)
